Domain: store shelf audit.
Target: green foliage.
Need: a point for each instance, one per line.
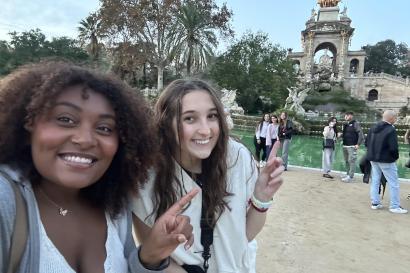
(32, 46)
(258, 70)
(337, 100)
(90, 32)
(388, 57)
(197, 22)
(404, 111)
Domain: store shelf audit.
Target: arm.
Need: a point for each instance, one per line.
(170, 230)
(7, 217)
(288, 128)
(393, 145)
(258, 131)
(142, 231)
(407, 137)
(269, 135)
(360, 134)
(326, 132)
(267, 184)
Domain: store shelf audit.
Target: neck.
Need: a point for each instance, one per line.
(60, 195)
(189, 163)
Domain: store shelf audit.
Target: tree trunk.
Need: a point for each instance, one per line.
(160, 81)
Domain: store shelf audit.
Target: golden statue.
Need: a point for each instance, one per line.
(328, 3)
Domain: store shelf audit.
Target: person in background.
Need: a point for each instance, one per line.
(407, 141)
(260, 140)
(78, 143)
(197, 153)
(329, 141)
(285, 136)
(272, 134)
(383, 152)
(352, 136)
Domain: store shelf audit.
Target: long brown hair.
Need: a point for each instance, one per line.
(167, 186)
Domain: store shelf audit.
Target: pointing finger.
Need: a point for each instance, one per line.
(181, 203)
(274, 150)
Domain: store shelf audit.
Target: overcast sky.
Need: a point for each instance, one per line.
(282, 19)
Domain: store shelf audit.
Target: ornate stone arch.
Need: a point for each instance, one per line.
(354, 65)
(373, 95)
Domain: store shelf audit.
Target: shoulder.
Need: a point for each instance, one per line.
(6, 195)
(238, 154)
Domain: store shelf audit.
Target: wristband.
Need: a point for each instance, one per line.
(256, 208)
(259, 205)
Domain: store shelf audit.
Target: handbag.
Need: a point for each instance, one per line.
(328, 143)
(20, 231)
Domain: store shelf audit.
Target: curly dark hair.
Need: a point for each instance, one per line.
(168, 108)
(32, 89)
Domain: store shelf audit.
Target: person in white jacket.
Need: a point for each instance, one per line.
(197, 152)
(330, 135)
(272, 134)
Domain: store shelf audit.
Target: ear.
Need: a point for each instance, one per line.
(29, 125)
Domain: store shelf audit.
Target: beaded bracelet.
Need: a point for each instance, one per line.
(259, 205)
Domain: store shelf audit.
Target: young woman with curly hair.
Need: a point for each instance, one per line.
(76, 143)
(198, 153)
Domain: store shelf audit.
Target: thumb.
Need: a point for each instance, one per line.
(176, 239)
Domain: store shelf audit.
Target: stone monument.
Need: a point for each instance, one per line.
(229, 101)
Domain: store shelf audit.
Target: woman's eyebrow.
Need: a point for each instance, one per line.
(78, 108)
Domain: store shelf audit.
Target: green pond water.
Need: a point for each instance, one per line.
(306, 151)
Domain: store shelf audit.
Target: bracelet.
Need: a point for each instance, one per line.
(256, 208)
(259, 205)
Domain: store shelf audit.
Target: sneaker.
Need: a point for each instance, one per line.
(377, 206)
(347, 179)
(343, 176)
(327, 176)
(398, 210)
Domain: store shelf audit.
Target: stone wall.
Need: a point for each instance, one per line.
(393, 92)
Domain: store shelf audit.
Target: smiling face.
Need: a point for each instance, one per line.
(74, 142)
(266, 117)
(274, 119)
(199, 129)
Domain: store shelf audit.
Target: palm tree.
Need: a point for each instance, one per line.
(196, 37)
(90, 31)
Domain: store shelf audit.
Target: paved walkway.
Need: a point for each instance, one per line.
(318, 225)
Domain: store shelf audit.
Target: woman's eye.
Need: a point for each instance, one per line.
(189, 119)
(65, 120)
(213, 116)
(105, 129)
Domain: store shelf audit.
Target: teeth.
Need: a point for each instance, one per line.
(202, 141)
(77, 159)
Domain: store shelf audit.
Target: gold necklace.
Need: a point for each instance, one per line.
(62, 211)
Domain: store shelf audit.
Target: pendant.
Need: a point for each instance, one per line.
(62, 212)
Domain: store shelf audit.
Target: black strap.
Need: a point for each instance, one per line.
(207, 231)
(207, 237)
(20, 231)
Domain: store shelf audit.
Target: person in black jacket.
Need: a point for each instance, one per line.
(285, 136)
(382, 152)
(352, 138)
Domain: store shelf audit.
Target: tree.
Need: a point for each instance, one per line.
(154, 24)
(258, 71)
(197, 22)
(32, 46)
(5, 55)
(145, 22)
(90, 31)
(386, 56)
